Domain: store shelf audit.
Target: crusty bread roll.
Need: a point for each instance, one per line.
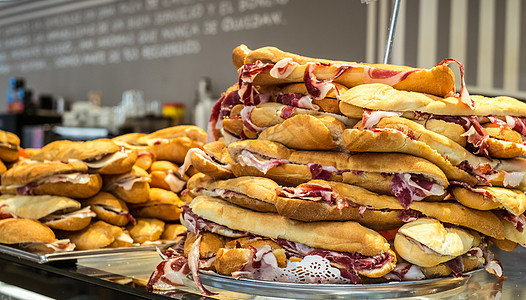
(98, 235)
(214, 160)
(356, 140)
(173, 232)
(190, 131)
(16, 231)
(337, 236)
(305, 132)
(109, 209)
(271, 113)
(172, 143)
(132, 187)
(385, 212)
(36, 207)
(504, 133)
(491, 198)
(443, 145)
(72, 221)
(379, 96)
(438, 80)
(101, 155)
(165, 175)
(161, 204)
(427, 243)
(9, 144)
(146, 229)
(123, 240)
(289, 168)
(51, 178)
(210, 244)
(256, 193)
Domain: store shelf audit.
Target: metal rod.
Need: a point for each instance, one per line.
(392, 27)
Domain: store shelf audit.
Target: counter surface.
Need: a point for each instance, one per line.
(119, 276)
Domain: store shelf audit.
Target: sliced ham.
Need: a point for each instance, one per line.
(283, 68)
(464, 94)
(247, 158)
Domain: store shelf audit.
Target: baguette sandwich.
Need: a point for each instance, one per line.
(165, 175)
(32, 235)
(252, 192)
(54, 211)
(391, 173)
(101, 155)
(238, 242)
(110, 209)
(131, 187)
(172, 143)
(437, 249)
(162, 204)
(51, 178)
(320, 200)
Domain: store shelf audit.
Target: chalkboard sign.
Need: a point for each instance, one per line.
(163, 47)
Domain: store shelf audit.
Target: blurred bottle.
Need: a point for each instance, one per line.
(16, 95)
(203, 103)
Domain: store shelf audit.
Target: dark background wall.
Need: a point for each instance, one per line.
(164, 47)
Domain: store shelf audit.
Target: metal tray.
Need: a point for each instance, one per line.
(45, 257)
(446, 285)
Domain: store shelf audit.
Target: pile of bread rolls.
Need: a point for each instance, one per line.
(383, 171)
(101, 193)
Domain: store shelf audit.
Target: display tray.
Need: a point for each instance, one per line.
(318, 291)
(45, 257)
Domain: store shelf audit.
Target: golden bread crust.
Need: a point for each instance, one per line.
(15, 231)
(107, 199)
(438, 80)
(171, 231)
(377, 96)
(73, 190)
(70, 224)
(503, 198)
(26, 173)
(356, 140)
(37, 207)
(306, 132)
(97, 235)
(338, 236)
(146, 229)
(192, 132)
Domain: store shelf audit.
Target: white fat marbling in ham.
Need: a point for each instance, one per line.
(77, 178)
(379, 75)
(81, 213)
(63, 245)
(372, 117)
(247, 122)
(175, 184)
(128, 183)
(106, 160)
(247, 158)
(283, 68)
(316, 88)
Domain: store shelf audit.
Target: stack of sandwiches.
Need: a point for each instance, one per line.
(377, 172)
(101, 193)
